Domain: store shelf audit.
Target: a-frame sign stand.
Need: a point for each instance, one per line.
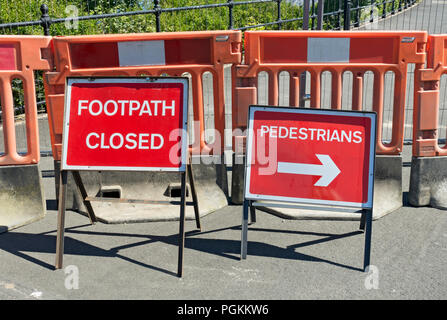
(250, 205)
(344, 142)
(91, 214)
(145, 122)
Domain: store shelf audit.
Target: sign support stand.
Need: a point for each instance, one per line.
(88, 205)
(252, 213)
(61, 219)
(194, 194)
(365, 225)
(244, 230)
(158, 103)
(181, 245)
(92, 217)
(363, 220)
(247, 205)
(367, 255)
(301, 136)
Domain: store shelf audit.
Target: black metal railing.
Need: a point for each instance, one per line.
(343, 12)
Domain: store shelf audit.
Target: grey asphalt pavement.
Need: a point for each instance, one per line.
(287, 259)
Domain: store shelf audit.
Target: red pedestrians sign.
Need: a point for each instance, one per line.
(311, 156)
(125, 124)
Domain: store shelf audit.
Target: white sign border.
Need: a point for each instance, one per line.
(184, 148)
(372, 154)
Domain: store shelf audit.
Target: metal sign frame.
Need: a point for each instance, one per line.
(372, 149)
(117, 80)
(251, 200)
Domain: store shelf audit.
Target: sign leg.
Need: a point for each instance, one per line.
(182, 227)
(194, 196)
(252, 214)
(88, 205)
(367, 256)
(244, 230)
(61, 220)
(363, 220)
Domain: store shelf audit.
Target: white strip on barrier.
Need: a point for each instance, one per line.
(328, 50)
(141, 53)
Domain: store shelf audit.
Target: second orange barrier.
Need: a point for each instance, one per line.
(315, 52)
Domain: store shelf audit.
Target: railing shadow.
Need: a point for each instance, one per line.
(20, 244)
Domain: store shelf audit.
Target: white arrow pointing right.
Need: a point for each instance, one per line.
(328, 170)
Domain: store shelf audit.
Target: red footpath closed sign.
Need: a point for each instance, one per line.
(311, 156)
(125, 124)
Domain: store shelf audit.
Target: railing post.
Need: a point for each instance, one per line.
(279, 15)
(320, 14)
(45, 19)
(357, 15)
(312, 13)
(371, 12)
(338, 25)
(347, 15)
(303, 75)
(306, 15)
(157, 9)
(384, 9)
(230, 14)
(393, 7)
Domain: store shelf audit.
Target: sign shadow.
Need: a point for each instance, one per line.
(231, 248)
(21, 244)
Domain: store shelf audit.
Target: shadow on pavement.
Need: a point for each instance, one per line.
(18, 243)
(255, 248)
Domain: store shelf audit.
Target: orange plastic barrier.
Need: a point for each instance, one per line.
(426, 102)
(337, 52)
(20, 56)
(152, 54)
